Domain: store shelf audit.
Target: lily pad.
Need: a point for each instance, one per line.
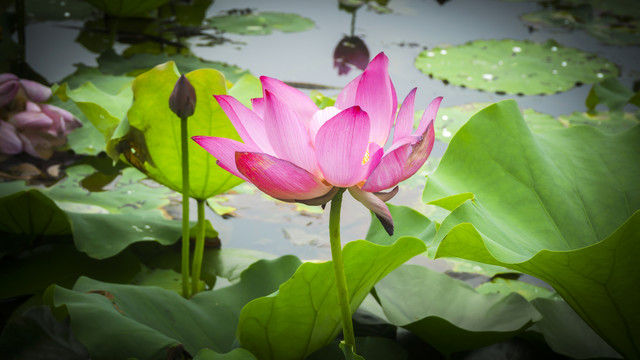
(613, 94)
(562, 206)
(102, 223)
(514, 67)
(607, 122)
(150, 322)
(304, 315)
(260, 23)
(448, 313)
(607, 28)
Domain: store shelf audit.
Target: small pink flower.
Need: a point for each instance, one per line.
(30, 127)
(295, 152)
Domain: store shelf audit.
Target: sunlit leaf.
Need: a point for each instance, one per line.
(561, 206)
(304, 315)
(514, 67)
(150, 322)
(260, 23)
(448, 313)
(153, 144)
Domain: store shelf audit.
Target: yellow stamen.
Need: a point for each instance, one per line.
(365, 159)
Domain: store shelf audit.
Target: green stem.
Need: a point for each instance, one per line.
(199, 251)
(338, 267)
(185, 207)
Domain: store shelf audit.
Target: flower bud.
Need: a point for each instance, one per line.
(9, 86)
(183, 98)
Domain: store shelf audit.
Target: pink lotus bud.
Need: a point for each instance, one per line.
(35, 92)
(63, 121)
(183, 98)
(10, 143)
(9, 86)
(28, 120)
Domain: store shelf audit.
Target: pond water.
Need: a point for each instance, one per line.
(307, 57)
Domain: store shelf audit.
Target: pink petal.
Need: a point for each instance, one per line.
(287, 134)
(257, 105)
(341, 147)
(70, 121)
(375, 152)
(249, 126)
(375, 204)
(419, 152)
(376, 96)
(35, 91)
(224, 150)
(347, 96)
(429, 115)
(296, 99)
(318, 119)
(279, 178)
(389, 171)
(31, 106)
(10, 143)
(9, 86)
(404, 121)
(31, 120)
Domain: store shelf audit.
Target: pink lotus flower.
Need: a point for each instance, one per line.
(30, 127)
(295, 152)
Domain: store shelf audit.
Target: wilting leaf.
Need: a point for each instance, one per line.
(147, 322)
(304, 315)
(448, 313)
(561, 206)
(514, 67)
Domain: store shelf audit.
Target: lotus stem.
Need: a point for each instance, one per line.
(199, 250)
(185, 207)
(338, 267)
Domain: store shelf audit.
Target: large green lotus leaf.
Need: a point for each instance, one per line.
(260, 23)
(124, 8)
(102, 223)
(561, 206)
(60, 263)
(448, 313)
(566, 333)
(36, 334)
(451, 118)
(149, 322)
(235, 354)
(514, 67)
(407, 222)
(112, 63)
(612, 93)
(152, 143)
(304, 315)
(103, 109)
(108, 83)
(370, 348)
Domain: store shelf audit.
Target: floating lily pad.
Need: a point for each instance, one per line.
(143, 322)
(514, 67)
(304, 315)
(562, 206)
(53, 10)
(607, 28)
(607, 122)
(260, 23)
(102, 223)
(448, 313)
